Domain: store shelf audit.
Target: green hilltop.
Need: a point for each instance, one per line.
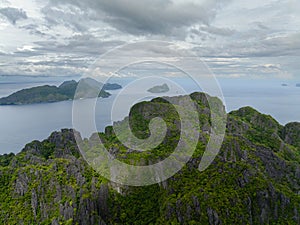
(255, 179)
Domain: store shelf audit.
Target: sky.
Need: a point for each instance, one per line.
(251, 39)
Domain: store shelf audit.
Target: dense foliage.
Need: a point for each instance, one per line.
(255, 179)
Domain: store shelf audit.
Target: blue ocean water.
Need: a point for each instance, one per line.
(22, 124)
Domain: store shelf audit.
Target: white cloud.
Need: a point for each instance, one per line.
(13, 14)
(236, 39)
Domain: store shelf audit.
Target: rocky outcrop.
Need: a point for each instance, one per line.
(255, 179)
(291, 134)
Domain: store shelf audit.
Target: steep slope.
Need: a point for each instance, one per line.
(291, 134)
(255, 178)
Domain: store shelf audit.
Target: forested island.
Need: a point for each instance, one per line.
(89, 88)
(164, 88)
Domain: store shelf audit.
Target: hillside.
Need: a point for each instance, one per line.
(255, 179)
(89, 88)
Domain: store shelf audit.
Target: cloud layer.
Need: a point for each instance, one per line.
(236, 38)
(13, 14)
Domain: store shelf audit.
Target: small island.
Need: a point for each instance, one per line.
(111, 87)
(159, 89)
(68, 90)
(284, 85)
(298, 85)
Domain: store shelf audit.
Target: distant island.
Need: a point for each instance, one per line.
(284, 85)
(88, 88)
(110, 87)
(298, 85)
(159, 89)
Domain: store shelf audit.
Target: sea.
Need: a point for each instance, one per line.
(22, 124)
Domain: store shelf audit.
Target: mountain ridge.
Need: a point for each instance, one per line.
(250, 182)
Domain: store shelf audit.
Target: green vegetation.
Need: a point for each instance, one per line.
(88, 88)
(255, 179)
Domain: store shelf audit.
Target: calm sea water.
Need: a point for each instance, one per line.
(22, 124)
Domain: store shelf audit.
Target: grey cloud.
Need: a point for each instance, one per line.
(78, 45)
(210, 32)
(284, 45)
(269, 47)
(34, 30)
(73, 33)
(262, 26)
(218, 31)
(49, 57)
(158, 17)
(73, 17)
(13, 14)
(257, 45)
(154, 17)
(46, 65)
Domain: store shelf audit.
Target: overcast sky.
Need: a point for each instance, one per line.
(236, 38)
